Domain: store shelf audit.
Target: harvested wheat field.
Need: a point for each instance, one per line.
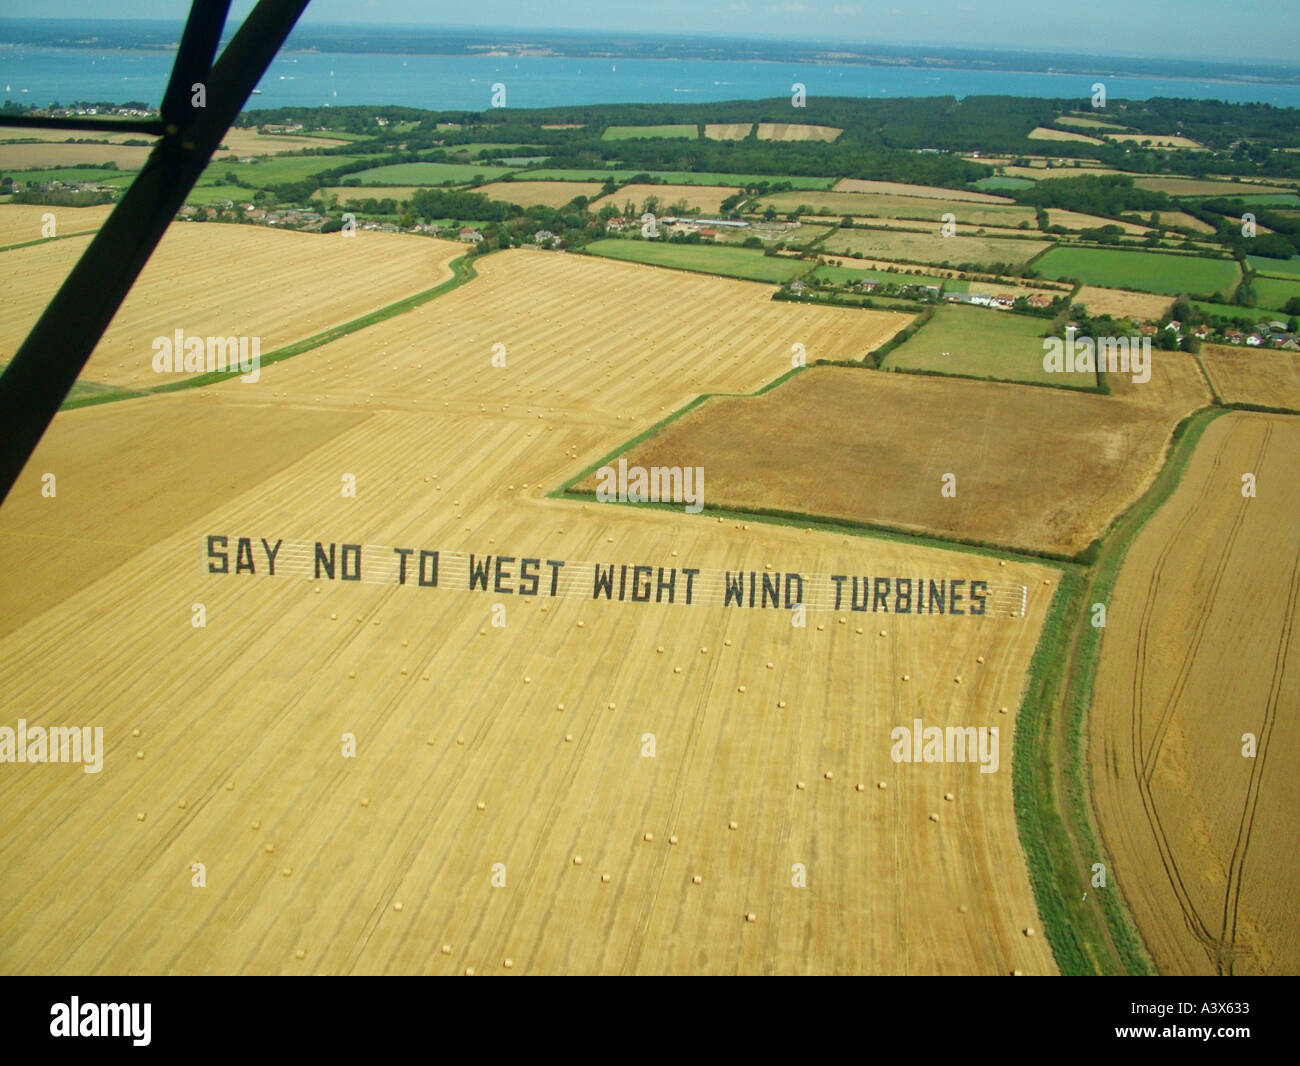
(933, 247)
(48, 154)
(546, 193)
(794, 131)
(726, 131)
(227, 280)
(1123, 303)
(244, 141)
(1199, 651)
(20, 223)
(1268, 377)
(706, 198)
(595, 786)
(927, 210)
(862, 445)
(930, 192)
(1156, 140)
(1076, 220)
(1045, 133)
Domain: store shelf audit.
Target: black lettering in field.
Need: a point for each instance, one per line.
(215, 556)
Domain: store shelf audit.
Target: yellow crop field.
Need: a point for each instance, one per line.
(1076, 220)
(706, 198)
(546, 193)
(727, 131)
(1268, 377)
(794, 131)
(48, 154)
(932, 247)
(381, 777)
(932, 192)
(1123, 303)
(227, 280)
(1194, 752)
(916, 208)
(1045, 133)
(27, 222)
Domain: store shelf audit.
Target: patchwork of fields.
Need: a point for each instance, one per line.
(610, 861)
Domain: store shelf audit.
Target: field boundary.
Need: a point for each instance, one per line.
(1053, 780)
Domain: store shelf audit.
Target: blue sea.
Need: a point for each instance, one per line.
(43, 75)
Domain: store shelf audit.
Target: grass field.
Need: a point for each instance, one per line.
(1144, 271)
(1273, 293)
(69, 174)
(747, 263)
(984, 343)
(686, 131)
(1010, 184)
(872, 447)
(1195, 654)
(319, 863)
(429, 174)
(1279, 268)
(1267, 377)
(932, 248)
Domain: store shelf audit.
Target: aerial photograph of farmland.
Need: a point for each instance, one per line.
(703, 489)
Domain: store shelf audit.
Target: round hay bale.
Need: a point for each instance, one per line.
(577, 860)
(697, 879)
(933, 817)
(1029, 931)
(139, 816)
(604, 879)
(829, 775)
(568, 738)
(860, 787)
(183, 804)
(446, 949)
(300, 954)
(733, 825)
(672, 840)
(481, 805)
(256, 825)
(800, 785)
(751, 917)
(881, 785)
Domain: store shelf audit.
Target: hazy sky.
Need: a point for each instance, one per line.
(1265, 29)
